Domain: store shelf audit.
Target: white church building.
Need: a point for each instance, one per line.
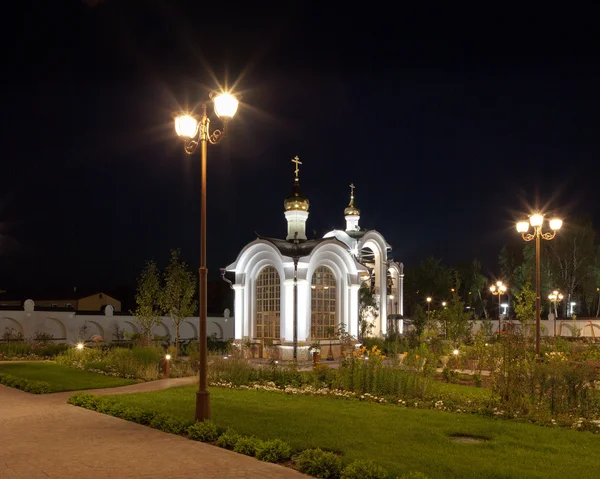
(305, 289)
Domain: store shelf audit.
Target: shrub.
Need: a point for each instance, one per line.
(205, 431)
(170, 424)
(273, 451)
(364, 470)
(319, 463)
(228, 439)
(414, 475)
(29, 386)
(247, 445)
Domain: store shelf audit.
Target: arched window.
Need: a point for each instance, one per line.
(268, 291)
(323, 304)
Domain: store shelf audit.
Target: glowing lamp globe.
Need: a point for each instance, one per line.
(168, 357)
(428, 299)
(225, 106)
(186, 125)
(536, 220)
(80, 346)
(455, 352)
(503, 288)
(492, 288)
(555, 224)
(522, 226)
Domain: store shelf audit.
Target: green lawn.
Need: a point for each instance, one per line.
(458, 390)
(399, 439)
(61, 378)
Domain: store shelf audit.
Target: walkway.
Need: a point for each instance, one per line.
(44, 437)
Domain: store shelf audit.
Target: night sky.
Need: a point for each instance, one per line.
(449, 124)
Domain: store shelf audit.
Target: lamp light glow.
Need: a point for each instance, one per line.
(522, 226)
(225, 105)
(186, 125)
(493, 288)
(455, 352)
(444, 303)
(555, 224)
(168, 357)
(502, 288)
(428, 299)
(80, 346)
(536, 220)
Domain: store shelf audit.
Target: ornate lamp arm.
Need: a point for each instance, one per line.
(548, 236)
(204, 134)
(528, 236)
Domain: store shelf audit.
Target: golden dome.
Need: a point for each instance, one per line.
(296, 201)
(351, 210)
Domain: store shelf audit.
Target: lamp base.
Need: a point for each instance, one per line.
(202, 406)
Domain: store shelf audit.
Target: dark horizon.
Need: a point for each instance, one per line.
(449, 134)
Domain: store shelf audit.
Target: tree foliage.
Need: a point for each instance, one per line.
(177, 298)
(430, 278)
(148, 301)
(525, 306)
(454, 317)
(368, 310)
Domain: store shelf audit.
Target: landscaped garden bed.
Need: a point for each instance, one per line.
(47, 377)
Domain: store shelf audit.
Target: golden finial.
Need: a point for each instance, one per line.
(352, 210)
(298, 162)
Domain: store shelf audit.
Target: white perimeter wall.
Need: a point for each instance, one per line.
(66, 325)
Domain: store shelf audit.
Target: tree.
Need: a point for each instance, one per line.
(430, 278)
(177, 298)
(454, 317)
(572, 256)
(474, 283)
(368, 310)
(148, 301)
(525, 306)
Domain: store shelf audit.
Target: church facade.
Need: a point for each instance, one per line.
(296, 290)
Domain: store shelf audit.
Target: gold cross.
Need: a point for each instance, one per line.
(298, 162)
(352, 189)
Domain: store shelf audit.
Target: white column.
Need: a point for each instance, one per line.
(383, 297)
(238, 311)
(401, 290)
(353, 320)
(287, 313)
(304, 304)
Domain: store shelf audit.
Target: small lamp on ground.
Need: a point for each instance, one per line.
(80, 346)
(167, 366)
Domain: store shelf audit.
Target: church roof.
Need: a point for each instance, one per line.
(302, 248)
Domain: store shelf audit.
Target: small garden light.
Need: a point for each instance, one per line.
(168, 357)
(80, 346)
(455, 352)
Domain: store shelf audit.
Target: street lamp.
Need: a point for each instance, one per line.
(499, 289)
(197, 133)
(555, 297)
(537, 221)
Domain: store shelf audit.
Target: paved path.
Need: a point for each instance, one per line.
(41, 436)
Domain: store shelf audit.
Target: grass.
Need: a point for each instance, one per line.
(458, 390)
(62, 378)
(399, 439)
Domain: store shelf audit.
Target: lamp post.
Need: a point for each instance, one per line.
(197, 133)
(537, 221)
(555, 297)
(499, 289)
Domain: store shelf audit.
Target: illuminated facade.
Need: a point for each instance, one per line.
(325, 273)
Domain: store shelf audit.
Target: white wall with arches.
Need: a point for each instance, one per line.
(65, 326)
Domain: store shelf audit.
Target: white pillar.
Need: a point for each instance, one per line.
(353, 320)
(401, 290)
(238, 311)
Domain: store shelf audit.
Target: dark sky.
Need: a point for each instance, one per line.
(449, 123)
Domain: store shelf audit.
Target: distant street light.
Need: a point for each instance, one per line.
(555, 297)
(499, 289)
(536, 221)
(198, 133)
